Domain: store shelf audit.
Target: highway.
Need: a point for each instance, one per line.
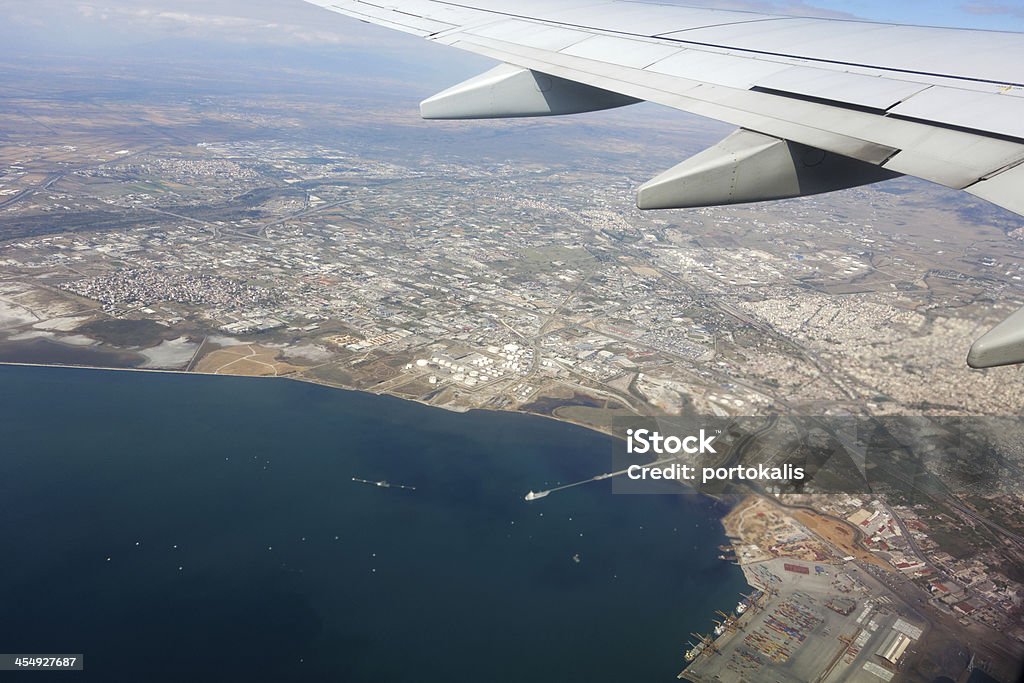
(50, 180)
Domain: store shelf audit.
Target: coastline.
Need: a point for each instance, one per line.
(739, 499)
(150, 444)
(739, 540)
(307, 380)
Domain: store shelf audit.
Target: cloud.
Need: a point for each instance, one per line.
(988, 9)
(251, 22)
(267, 22)
(123, 28)
(107, 23)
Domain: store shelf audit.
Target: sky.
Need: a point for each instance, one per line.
(122, 23)
(984, 14)
(149, 31)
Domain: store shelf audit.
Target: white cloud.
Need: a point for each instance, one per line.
(121, 25)
(269, 22)
(290, 21)
(249, 24)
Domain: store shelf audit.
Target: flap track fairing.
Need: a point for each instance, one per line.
(1002, 345)
(510, 91)
(752, 167)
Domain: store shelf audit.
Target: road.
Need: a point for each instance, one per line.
(50, 180)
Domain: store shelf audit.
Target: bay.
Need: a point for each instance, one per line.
(179, 527)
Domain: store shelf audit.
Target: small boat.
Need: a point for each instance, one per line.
(384, 484)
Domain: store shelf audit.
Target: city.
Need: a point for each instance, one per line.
(243, 240)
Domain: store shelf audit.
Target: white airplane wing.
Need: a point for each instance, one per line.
(821, 104)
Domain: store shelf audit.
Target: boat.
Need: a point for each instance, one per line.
(741, 607)
(694, 652)
(384, 484)
(534, 496)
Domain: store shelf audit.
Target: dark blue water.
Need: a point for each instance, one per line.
(177, 527)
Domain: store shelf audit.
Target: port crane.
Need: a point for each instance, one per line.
(731, 622)
(751, 601)
(707, 642)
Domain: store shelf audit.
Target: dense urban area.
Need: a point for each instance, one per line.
(346, 244)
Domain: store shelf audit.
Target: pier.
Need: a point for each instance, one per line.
(534, 495)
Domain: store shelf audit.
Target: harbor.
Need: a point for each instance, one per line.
(805, 621)
(729, 624)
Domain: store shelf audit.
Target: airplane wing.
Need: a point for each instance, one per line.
(820, 104)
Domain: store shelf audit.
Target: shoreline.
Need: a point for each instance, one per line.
(726, 510)
(315, 441)
(742, 499)
(306, 380)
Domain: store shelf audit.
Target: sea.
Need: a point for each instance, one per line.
(174, 527)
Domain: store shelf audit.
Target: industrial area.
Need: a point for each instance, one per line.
(808, 622)
(818, 614)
